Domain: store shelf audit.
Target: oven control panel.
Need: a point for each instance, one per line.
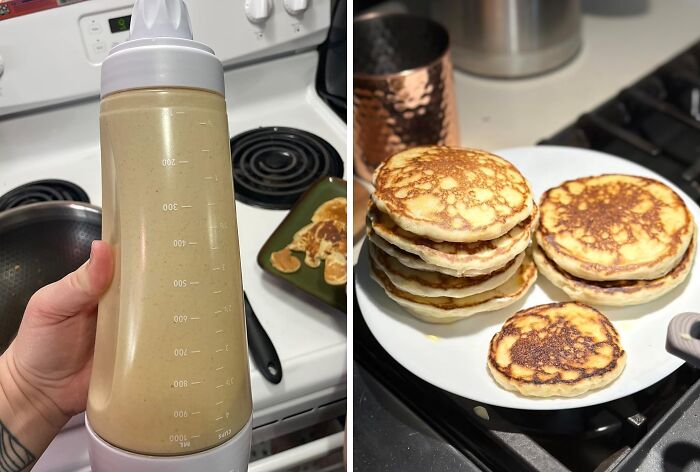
(103, 31)
(54, 56)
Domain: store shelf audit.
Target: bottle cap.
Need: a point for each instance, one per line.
(160, 52)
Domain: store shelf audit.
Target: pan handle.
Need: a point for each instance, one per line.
(683, 338)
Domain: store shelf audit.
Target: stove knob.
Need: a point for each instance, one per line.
(258, 11)
(296, 7)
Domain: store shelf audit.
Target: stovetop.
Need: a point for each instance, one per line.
(656, 123)
(273, 166)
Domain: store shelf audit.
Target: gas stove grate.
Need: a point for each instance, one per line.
(42, 191)
(274, 166)
(654, 122)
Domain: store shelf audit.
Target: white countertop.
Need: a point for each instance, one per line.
(617, 50)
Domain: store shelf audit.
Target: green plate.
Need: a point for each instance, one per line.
(308, 279)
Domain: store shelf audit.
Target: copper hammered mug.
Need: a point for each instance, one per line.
(403, 92)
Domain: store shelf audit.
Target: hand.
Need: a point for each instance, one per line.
(52, 353)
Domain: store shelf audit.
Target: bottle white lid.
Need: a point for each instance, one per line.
(160, 52)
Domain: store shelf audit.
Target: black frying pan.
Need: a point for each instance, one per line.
(39, 244)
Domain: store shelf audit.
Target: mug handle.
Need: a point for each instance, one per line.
(682, 338)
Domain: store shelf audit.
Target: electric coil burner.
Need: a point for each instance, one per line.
(42, 191)
(274, 166)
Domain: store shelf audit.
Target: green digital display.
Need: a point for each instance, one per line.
(122, 23)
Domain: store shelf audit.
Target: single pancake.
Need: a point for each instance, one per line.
(414, 262)
(452, 194)
(614, 227)
(333, 209)
(435, 284)
(448, 310)
(615, 292)
(558, 349)
(284, 261)
(335, 269)
(475, 257)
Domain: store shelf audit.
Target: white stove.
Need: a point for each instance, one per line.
(51, 131)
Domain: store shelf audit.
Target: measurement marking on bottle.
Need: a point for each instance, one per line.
(183, 162)
(218, 430)
(202, 123)
(195, 413)
(219, 331)
(211, 204)
(220, 403)
(217, 291)
(195, 352)
(206, 150)
(218, 311)
(213, 248)
(209, 178)
(185, 206)
(191, 243)
(219, 350)
(219, 386)
(194, 317)
(219, 368)
(194, 436)
(216, 268)
(179, 112)
(194, 283)
(196, 383)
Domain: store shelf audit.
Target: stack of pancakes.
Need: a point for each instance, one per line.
(614, 239)
(448, 230)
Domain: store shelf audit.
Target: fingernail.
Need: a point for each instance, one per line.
(92, 250)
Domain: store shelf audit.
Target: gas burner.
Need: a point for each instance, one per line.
(274, 166)
(42, 191)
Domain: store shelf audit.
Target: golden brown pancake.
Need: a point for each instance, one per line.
(447, 309)
(615, 292)
(479, 257)
(452, 194)
(333, 209)
(335, 269)
(319, 240)
(614, 227)
(558, 349)
(435, 284)
(414, 262)
(284, 261)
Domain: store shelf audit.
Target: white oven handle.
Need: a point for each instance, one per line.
(298, 455)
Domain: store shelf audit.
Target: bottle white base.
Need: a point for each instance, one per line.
(231, 456)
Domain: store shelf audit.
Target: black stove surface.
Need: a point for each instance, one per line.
(274, 166)
(655, 123)
(42, 191)
(586, 439)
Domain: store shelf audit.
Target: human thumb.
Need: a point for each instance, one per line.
(78, 291)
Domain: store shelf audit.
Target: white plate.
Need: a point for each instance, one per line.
(453, 356)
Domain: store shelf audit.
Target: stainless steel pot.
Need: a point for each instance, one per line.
(39, 244)
(510, 38)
